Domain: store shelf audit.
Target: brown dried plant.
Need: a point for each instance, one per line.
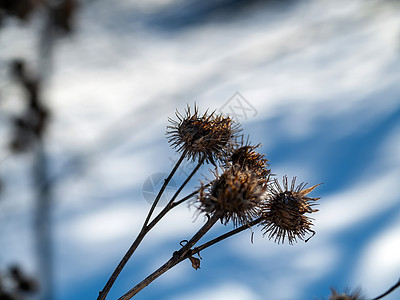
(235, 195)
(242, 195)
(355, 295)
(284, 211)
(202, 137)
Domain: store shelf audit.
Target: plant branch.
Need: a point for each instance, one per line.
(145, 229)
(184, 184)
(173, 261)
(388, 291)
(170, 204)
(225, 236)
(176, 203)
(176, 258)
(166, 181)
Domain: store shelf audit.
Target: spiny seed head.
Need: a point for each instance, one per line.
(356, 295)
(284, 210)
(202, 136)
(235, 195)
(245, 156)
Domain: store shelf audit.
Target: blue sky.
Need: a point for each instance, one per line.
(322, 81)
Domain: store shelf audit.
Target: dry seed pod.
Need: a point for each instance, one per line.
(284, 211)
(236, 195)
(202, 136)
(356, 295)
(245, 156)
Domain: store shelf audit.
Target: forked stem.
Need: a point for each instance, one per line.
(176, 258)
(145, 229)
(166, 181)
(171, 203)
(225, 236)
(176, 203)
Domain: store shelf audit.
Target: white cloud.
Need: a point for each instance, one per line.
(223, 291)
(108, 224)
(368, 198)
(379, 265)
(317, 260)
(286, 287)
(390, 151)
(286, 270)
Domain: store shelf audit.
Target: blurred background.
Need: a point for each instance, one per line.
(86, 89)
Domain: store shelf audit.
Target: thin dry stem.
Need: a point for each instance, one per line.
(225, 236)
(171, 203)
(176, 203)
(163, 188)
(397, 284)
(176, 258)
(145, 229)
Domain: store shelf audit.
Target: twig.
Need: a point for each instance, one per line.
(104, 292)
(166, 181)
(170, 204)
(388, 291)
(176, 203)
(176, 258)
(225, 236)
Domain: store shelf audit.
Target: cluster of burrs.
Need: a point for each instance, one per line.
(243, 192)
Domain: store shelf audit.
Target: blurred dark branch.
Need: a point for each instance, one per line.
(15, 284)
(40, 168)
(30, 127)
(29, 131)
(43, 222)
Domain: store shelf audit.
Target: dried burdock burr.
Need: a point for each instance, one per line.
(244, 155)
(235, 195)
(207, 136)
(242, 194)
(284, 210)
(356, 295)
